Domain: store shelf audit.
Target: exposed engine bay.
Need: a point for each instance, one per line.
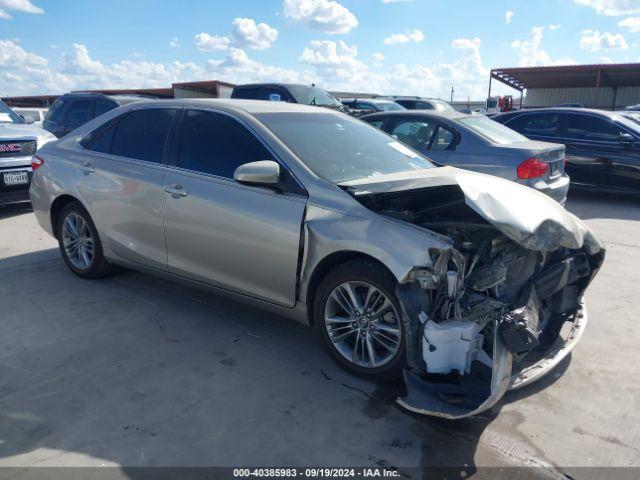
(485, 307)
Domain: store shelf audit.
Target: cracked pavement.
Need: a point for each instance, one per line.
(136, 371)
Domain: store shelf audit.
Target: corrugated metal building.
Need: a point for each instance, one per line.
(608, 86)
(205, 89)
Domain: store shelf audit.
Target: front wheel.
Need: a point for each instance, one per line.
(80, 244)
(357, 316)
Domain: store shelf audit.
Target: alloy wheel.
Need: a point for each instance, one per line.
(363, 324)
(77, 241)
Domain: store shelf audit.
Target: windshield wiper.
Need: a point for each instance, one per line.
(313, 102)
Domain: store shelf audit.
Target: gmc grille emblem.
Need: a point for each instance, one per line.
(10, 147)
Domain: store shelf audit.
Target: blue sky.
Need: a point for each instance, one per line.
(420, 47)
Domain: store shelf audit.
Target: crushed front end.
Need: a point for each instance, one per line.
(495, 311)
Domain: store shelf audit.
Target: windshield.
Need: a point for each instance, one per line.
(9, 116)
(339, 148)
(313, 96)
(442, 106)
(391, 106)
(493, 131)
(630, 121)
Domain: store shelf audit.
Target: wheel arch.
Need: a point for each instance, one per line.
(329, 263)
(56, 208)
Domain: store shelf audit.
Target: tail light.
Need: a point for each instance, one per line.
(532, 168)
(36, 162)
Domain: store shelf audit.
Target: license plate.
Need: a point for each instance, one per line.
(16, 178)
(555, 169)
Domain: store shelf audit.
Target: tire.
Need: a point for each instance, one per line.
(330, 319)
(91, 265)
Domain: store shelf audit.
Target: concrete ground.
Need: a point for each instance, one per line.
(136, 371)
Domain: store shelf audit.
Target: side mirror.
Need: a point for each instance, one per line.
(625, 139)
(264, 172)
(275, 97)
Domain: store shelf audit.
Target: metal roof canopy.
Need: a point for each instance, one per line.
(566, 76)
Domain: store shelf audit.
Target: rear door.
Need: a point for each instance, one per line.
(238, 237)
(120, 179)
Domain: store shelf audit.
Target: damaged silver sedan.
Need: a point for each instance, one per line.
(466, 284)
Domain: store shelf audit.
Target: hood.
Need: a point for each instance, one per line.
(20, 131)
(528, 217)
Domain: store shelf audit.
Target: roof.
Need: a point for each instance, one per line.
(594, 111)
(566, 76)
(368, 100)
(249, 106)
(446, 114)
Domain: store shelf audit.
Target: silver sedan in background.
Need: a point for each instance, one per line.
(475, 142)
(466, 284)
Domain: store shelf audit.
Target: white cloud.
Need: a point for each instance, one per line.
(612, 8)
(247, 34)
(508, 16)
(594, 41)
(327, 16)
(414, 35)
(531, 53)
(174, 42)
(210, 43)
(238, 67)
(377, 59)
(19, 6)
(554, 26)
(13, 56)
(632, 23)
(396, 1)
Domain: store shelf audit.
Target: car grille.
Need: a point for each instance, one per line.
(17, 148)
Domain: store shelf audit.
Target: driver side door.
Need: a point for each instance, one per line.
(224, 233)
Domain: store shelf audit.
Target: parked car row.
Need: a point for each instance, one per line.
(465, 284)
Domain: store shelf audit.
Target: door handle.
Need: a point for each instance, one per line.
(176, 190)
(86, 167)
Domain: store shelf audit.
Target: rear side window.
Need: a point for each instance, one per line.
(103, 106)
(246, 93)
(423, 106)
(442, 140)
(416, 134)
(141, 134)
(100, 141)
(541, 125)
(214, 143)
(78, 113)
(590, 127)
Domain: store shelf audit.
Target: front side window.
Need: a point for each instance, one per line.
(141, 134)
(537, 124)
(416, 134)
(339, 148)
(590, 127)
(216, 144)
(78, 113)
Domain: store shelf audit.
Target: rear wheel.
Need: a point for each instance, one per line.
(357, 316)
(80, 244)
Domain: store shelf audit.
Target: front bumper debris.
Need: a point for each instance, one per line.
(433, 399)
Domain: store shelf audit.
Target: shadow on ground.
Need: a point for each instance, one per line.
(14, 209)
(136, 371)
